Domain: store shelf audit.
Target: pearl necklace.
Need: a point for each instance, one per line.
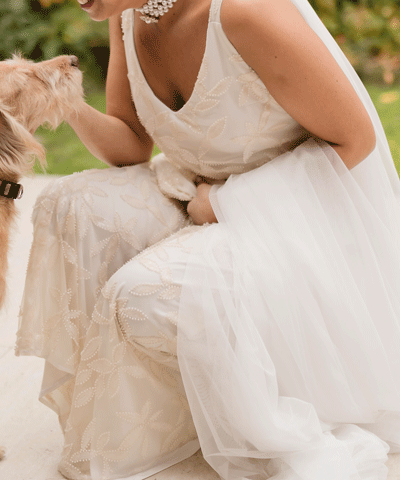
(154, 9)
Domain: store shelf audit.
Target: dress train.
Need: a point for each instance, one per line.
(288, 330)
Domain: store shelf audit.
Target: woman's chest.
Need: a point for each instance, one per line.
(223, 121)
(170, 62)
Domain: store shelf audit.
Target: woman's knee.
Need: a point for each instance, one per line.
(63, 200)
(91, 197)
(144, 303)
(125, 201)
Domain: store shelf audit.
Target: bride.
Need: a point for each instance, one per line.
(240, 292)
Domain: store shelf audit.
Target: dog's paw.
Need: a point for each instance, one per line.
(173, 181)
(2, 453)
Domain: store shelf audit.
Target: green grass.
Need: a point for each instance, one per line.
(387, 104)
(66, 153)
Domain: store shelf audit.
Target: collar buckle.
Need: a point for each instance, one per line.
(11, 189)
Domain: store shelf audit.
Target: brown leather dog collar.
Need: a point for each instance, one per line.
(10, 189)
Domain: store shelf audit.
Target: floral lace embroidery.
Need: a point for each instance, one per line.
(108, 361)
(207, 135)
(100, 253)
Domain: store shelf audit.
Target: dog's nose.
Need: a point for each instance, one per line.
(74, 60)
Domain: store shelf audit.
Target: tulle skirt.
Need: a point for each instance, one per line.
(287, 330)
(289, 326)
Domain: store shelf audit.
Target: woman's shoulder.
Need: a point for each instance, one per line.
(269, 12)
(244, 21)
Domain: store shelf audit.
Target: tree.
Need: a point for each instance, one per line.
(42, 29)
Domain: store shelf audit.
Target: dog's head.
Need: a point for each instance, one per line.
(40, 93)
(34, 94)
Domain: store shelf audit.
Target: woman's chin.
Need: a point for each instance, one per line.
(99, 10)
(91, 7)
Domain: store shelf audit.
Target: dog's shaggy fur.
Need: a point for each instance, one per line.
(31, 94)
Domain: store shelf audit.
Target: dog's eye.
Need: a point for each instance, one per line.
(74, 61)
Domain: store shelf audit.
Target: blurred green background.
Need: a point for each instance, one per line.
(368, 31)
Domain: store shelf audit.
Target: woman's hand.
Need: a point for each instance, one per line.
(199, 209)
(117, 138)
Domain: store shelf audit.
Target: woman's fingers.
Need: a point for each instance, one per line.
(198, 180)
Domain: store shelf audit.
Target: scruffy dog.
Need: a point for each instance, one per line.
(31, 94)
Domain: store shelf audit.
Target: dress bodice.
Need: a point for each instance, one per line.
(230, 124)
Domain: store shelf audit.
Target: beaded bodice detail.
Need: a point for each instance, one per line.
(230, 124)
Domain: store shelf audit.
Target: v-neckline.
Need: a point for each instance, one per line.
(203, 61)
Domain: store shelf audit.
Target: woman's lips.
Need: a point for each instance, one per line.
(86, 4)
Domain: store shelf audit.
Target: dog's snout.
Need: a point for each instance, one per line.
(74, 61)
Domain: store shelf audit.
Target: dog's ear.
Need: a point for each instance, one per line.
(18, 147)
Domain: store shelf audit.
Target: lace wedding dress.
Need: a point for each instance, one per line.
(270, 339)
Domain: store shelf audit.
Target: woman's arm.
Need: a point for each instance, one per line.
(300, 73)
(117, 137)
(302, 76)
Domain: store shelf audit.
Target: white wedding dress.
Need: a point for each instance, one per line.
(270, 339)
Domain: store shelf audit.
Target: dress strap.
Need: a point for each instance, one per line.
(215, 10)
(127, 19)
